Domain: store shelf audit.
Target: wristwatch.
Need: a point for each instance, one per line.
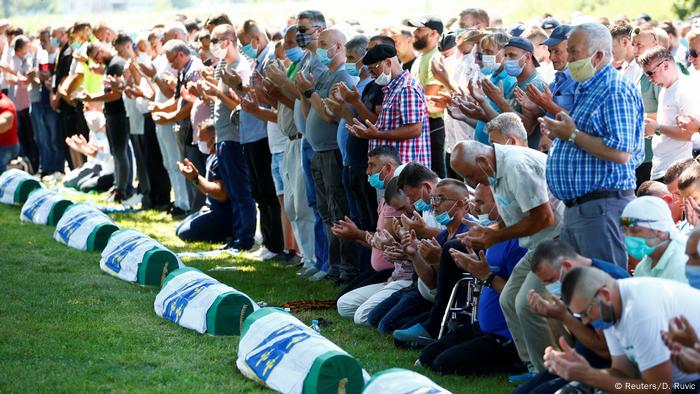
(657, 131)
(489, 281)
(573, 135)
(308, 93)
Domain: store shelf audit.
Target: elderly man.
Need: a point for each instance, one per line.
(677, 97)
(640, 360)
(596, 148)
(326, 163)
(529, 212)
(507, 129)
(402, 121)
(652, 237)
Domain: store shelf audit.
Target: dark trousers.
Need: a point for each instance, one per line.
(259, 161)
(543, 383)
(365, 197)
(234, 174)
(447, 277)
(118, 138)
(466, 351)
(320, 237)
(71, 122)
(327, 167)
(138, 143)
(27, 144)
(157, 176)
(205, 226)
(402, 309)
(437, 146)
(643, 173)
(199, 159)
(47, 137)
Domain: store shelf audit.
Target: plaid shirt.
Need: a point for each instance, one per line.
(606, 106)
(404, 104)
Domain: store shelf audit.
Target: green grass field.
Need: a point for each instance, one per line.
(67, 327)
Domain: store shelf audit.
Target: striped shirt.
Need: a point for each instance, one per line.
(404, 104)
(606, 106)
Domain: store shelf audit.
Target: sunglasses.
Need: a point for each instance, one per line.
(692, 53)
(651, 72)
(632, 222)
(304, 29)
(217, 40)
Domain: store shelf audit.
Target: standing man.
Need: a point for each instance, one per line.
(326, 163)
(596, 148)
(425, 41)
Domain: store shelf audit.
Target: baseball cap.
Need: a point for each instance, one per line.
(447, 41)
(431, 22)
(650, 212)
(524, 44)
(517, 30)
(378, 53)
(550, 23)
(559, 34)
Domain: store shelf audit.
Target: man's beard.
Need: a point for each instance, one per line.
(420, 44)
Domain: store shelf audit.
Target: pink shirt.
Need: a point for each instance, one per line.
(380, 263)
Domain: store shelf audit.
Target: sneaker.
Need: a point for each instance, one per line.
(178, 213)
(320, 275)
(522, 378)
(133, 201)
(307, 272)
(411, 334)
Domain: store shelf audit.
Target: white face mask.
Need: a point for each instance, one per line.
(468, 58)
(203, 147)
(383, 79)
(218, 51)
(489, 62)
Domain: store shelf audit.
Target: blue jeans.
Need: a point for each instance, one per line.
(234, 173)
(48, 137)
(205, 226)
(7, 153)
(401, 310)
(321, 239)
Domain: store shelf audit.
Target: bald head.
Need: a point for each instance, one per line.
(333, 40)
(582, 283)
(471, 160)
(333, 35)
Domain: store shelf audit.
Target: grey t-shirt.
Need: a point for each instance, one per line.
(320, 134)
(225, 130)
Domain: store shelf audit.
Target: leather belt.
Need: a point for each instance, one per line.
(598, 195)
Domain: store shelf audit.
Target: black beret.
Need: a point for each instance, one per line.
(378, 53)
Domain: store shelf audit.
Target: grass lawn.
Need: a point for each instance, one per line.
(67, 327)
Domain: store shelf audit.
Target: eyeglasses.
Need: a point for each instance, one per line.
(586, 312)
(437, 200)
(632, 222)
(651, 72)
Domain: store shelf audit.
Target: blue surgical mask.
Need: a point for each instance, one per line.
(554, 288)
(375, 182)
(601, 324)
(323, 56)
(421, 206)
(55, 43)
(692, 272)
(513, 68)
(352, 70)
(637, 246)
(249, 51)
(294, 54)
(484, 220)
(490, 178)
(75, 45)
(444, 218)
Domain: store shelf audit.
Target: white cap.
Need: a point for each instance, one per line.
(653, 213)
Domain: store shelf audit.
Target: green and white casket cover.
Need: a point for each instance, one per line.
(44, 206)
(15, 186)
(84, 227)
(199, 302)
(279, 351)
(135, 257)
(399, 380)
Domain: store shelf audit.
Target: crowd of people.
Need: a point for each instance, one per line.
(550, 163)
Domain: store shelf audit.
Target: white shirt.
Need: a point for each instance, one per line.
(547, 72)
(632, 71)
(678, 99)
(521, 186)
(648, 304)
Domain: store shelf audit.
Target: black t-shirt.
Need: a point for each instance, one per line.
(115, 68)
(407, 66)
(372, 96)
(212, 165)
(65, 58)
